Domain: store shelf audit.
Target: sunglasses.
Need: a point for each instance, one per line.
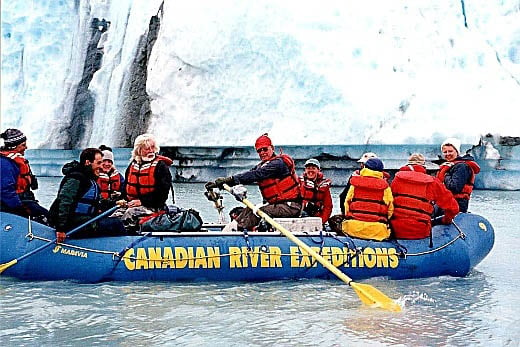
(263, 149)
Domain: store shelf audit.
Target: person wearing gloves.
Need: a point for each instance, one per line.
(414, 193)
(369, 204)
(278, 182)
(315, 189)
(17, 179)
(457, 173)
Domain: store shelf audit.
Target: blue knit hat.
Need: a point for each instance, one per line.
(374, 164)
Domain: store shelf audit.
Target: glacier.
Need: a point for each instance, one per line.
(221, 73)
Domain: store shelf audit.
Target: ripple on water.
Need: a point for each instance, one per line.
(480, 309)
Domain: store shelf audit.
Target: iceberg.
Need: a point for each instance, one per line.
(221, 73)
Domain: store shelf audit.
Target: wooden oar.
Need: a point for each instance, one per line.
(368, 294)
(7, 265)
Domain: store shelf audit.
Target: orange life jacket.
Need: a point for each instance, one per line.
(23, 181)
(109, 183)
(368, 203)
(411, 200)
(276, 190)
(141, 177)
(468, 187)
(314, 191)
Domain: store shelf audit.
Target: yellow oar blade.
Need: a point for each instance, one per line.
(373, 297)
(6, 266)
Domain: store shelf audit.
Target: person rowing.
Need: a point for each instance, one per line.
(279, 185)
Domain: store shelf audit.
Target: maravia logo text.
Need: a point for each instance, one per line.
(71, 252)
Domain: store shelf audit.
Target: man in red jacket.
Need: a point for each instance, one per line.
(414, 193)
(278, 182)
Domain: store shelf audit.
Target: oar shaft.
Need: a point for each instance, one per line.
(296, 240)
(301, 244)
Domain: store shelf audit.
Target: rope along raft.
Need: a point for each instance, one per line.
(348, 252)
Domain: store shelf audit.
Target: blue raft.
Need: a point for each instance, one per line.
(212, 255)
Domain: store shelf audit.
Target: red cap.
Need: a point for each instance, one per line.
(263, 141)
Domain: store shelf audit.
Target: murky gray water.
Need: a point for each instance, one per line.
(480, 309)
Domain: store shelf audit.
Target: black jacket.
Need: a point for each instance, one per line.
(77, 181)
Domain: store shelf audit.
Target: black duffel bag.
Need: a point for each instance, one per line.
(175, 219)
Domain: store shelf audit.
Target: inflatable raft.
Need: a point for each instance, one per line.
(212, 255)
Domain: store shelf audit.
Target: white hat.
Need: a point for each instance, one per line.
(367, 156)
(314, 162)
(107, 155)
(455, 143)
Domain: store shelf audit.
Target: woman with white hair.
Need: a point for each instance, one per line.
(457, 173)
(148, 178)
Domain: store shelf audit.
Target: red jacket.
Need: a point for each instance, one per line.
(414, 193)
(318, 193)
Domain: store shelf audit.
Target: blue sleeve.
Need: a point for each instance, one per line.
(273, 169)
(457, 177)
(10, 173)
(123, 183)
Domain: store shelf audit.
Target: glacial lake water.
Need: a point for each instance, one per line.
(478, 310)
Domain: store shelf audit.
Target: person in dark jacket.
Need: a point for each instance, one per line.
(17, 180)
(278, 182)
(457, 173)
(79, 200)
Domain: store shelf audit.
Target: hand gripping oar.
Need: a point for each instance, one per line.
(368, 294)
(7, 265)
(216, 198)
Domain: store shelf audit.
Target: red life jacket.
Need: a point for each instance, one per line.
(23, 181)
(468, 187)
(368, 203)
(276, 190)
(109, 183)
(314, 191)
(413, 203)
(141, 177)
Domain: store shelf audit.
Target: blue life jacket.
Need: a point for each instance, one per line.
(87, 204)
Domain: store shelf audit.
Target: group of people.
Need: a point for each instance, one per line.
(285, 194)
(372, 205)
(89, 187)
